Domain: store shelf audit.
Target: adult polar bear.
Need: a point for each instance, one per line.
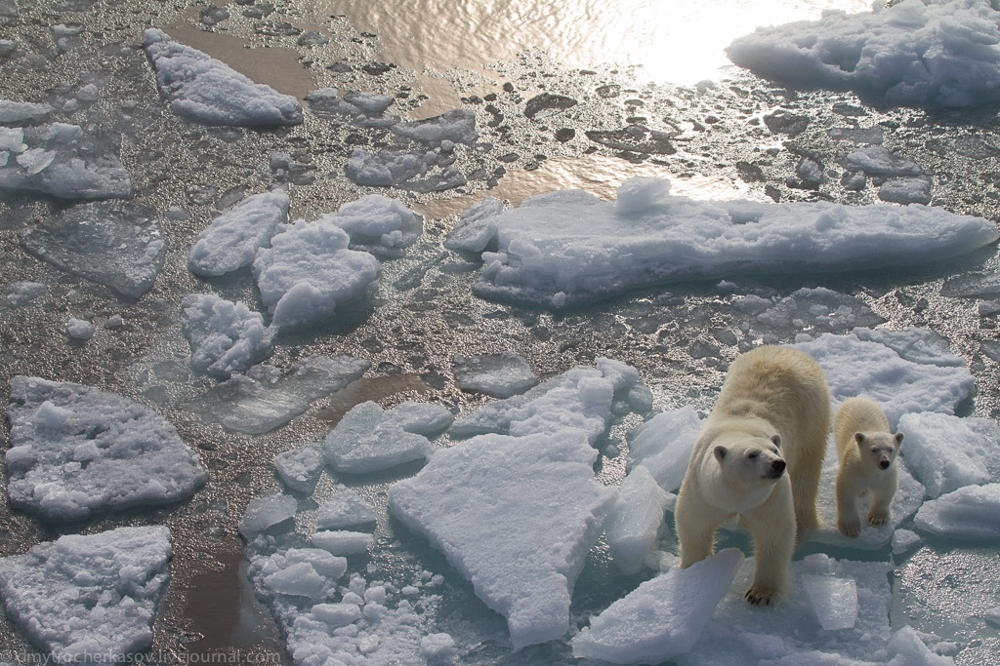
(773, 412)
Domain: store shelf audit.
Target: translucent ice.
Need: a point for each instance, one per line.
(634, 519)
(225, 337)
(233, 238)
(343, 542)
(76, 450)
(207, 90)
(497, 375)
(971, 512)
(308, 271)
(254, 407)
(947, 452)
(264, 512)
(475, 502)
(89, 599)
(834, 600)
(119, 245)
(422, 418)
(369, 440)
(568, 247)
(663, 617)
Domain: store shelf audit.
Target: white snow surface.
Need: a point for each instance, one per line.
(569, 247)
(663, 445)
(206, 90)
(309, 270)
(231, 241)
(225, 337)
(76, 450)
(378, 224)
(89, 599)
(947, 452)
(368, 439)
(470, 502)
(915, 52)
(971, 512)
(663, 617)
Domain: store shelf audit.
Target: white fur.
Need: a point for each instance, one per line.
(867, 450)
(774, 406)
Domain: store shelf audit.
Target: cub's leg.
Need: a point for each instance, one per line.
(880, 509)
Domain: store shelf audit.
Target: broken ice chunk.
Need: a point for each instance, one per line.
(475, 502)
(663, 445)
(663, 618)
(947, 452)
(380, 225)
(344, 509)
(497, 375)
(421, 418)
(76, 450)
(207, 90)
(225, 337)
(89, 599)
(634, 519)
(232, 240)
(300, 468)
(834, 600)
(367, 440)
(20, 112)
(343, 542)
(477, 228)
(80, 329)
(264, 512)
(457, 126)
(118, 245)
(971, 512)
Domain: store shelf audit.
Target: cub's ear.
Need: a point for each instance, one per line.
(776, 440)
(720, 452)
(859, 438)
(899, 439)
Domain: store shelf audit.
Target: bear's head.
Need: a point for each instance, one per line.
(879, 448)
(754, 457)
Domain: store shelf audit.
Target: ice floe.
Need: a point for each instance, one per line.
(915, 52)
(206, 90)
(380, 225)
(947, 452)
(300, 468)
(634, 520)
(258, 404)
(12, 112)
(344, 509)
(119, 245)
(231, 241)
(89, 599)
(262, 513)
(468, 499)
(497, 375)
(568, 247)
(225, 337)
(363, 109)
(368, 439)
(76, 451)
(971, 512)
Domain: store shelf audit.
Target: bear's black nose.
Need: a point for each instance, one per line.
(778, 466)
(884, 464)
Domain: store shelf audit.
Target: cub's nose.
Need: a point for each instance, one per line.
(884, 464)
(778, 466)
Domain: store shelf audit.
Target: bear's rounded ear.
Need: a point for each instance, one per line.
(776, 440)
(859, 438)
(899, 438)
(720, 452)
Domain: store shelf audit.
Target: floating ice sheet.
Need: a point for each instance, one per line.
(344, 509)
(300, 468)
(469, 501)
(568, 247)
(76, 450)
(634, 519)
(119, 245)
(231, 241)
(380, 225)
(207, 90)
(971, 512)
(254, 407)
(497, 375)
(947, 452)
(834, 600)
(663, 617)
(368, 439)
(917, 52)
(265, 512)
(89, 599)
(663, 445)
(225, 337)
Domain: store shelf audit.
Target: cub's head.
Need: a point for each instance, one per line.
(751, 457)
(879, 448)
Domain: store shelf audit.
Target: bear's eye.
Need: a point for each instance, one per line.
(874, 450)
(752, 455)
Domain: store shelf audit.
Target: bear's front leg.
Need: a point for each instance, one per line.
(772, 528)
(880, 510)
(695, 522)
(848, 520)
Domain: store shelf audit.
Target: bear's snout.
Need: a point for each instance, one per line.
(884, 463)
(777, 468)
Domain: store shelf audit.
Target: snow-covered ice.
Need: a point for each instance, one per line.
(300, 468)
(206, 90)
(225, 337)
(455, 126)
(580, 399)
(567, 248)
(854, 365)
(378, 224)
(415, 169)
(309, 270)
(344, 509)
(915, 52)
(89, 599)
(468, 501)
(663, 617)
(231, 241)
(663, 445)
(368, 439)
(20, 112)
(255, 406)
(76, 451)
(497, 375)
(364, 109)
(971, 512)
(119, 245)
(422, 418)
(947, 452)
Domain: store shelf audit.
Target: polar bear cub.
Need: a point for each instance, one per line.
(867, 450)
(759, 457)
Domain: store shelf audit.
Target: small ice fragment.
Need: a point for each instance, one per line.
(497, 375)
(834, 600)
(343, 542)
(300, 468)
(265, 512)
(345, 509)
